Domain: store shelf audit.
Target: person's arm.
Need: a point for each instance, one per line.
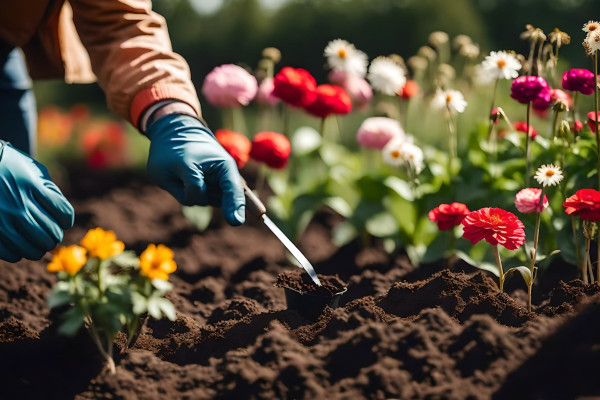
(131, 54)
(147, 83)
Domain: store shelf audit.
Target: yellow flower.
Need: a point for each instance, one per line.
(156, 262)
(69, 259)
(102, 244)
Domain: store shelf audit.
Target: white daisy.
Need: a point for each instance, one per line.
(453, 100)
(501, 65)
(592, 42)
(399, 152)
(343, 56)
(548, 175)
(386, 76)
(591, 26)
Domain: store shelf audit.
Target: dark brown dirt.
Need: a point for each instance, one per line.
(400, 332)
(301, 282)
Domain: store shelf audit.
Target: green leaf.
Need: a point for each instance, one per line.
(140, 303)
(162, 285)
(126, 259)
(344, 233)
(382, 224)
(525, 273)
(73, 320)
(401, 187)
(339, 205)
(198, 216)
(59, 297)
(167, 308)
(154, 307)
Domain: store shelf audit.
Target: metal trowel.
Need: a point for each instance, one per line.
(255, 206)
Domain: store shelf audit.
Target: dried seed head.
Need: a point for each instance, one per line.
(460, 41)
(470, 50)
(427, 52)
(272, 53)
(438, 39)
(559, 37)
(417, 63)
(533, 34)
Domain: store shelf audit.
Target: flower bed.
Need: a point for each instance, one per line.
(400, 332)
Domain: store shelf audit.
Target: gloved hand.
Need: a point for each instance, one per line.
(33, 211)
(187, 161)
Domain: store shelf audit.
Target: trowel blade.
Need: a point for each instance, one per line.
(292, 249)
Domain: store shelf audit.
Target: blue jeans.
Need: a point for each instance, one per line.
(18, 115)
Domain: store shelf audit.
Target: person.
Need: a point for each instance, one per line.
(125, 46)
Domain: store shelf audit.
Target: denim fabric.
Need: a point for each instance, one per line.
(18, 115)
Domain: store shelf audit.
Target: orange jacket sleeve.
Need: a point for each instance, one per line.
(131, 54)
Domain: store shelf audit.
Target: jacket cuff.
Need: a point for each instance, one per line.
(146, 97)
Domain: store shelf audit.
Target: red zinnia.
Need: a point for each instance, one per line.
(580, 80)
(496, 226)
(295, 86)
(331, 99)
(410, 89)
(447, 216)
(585, 203)
(521, 126)
(272, 148)
(236, 144)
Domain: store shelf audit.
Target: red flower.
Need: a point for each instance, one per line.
(576, 126)
(236, 144)
(521, 126)
(529, 88)
(410, 89)
(104, 144)
(331, 99)
(272, 148)
(295, 86)
(447, 216)
(592, 120)
(581, 80)
(585, 203)
(496, 226)
(495, 115)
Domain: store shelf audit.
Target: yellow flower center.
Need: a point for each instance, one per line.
(501, 63)
(448, 98)
(495, 219)
(592, 27)
(395, 154)
(342, 53)
(550, 173)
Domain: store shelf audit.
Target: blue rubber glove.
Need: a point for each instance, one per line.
(187, 161)
(33, 211)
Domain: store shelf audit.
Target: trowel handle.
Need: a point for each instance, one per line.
(253, 203)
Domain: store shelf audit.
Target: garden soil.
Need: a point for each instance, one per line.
(399, 332)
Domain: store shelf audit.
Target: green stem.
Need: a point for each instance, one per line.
(527, 146)
(500, 271)
(453, 143)
(577, 255)
(529, 290)
(554, 124)
(530, 60)
(286, 120)
(588, 261)
(596, 116)
(107, 354)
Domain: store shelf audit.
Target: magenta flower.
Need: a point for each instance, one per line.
(528, 201)
(229, 86)
(530, 88)
(578, 79)
(555, 96)
(265, 92)
(376, 132)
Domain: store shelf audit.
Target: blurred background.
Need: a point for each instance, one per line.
(213, 32)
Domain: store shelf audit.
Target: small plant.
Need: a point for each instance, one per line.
(108, 289)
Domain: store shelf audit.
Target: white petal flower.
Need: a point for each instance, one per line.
(592, 42)
(453, 100)
(399, 152)
(501, 65)
(548, 175)
(305, 140)
(343, 56)
(386, 76)
(591, 26)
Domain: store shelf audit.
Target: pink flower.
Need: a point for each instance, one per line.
(528, 201)
(580, 80)
(530, 88)
(229, 86)
(540, 106)
(357, 88)
(265, 92)
(376, 132)
(592, 120)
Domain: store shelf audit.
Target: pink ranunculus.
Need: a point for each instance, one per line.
(376, 132)
(337, 77)
(579, 79)
(528, 200)
(530, 88)
(229, 86)
(265, 92)
(540, 106)
(357, 88)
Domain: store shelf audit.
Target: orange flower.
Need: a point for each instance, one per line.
(156, 262)
(102, 244)
(69, 259)
(54, 127)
